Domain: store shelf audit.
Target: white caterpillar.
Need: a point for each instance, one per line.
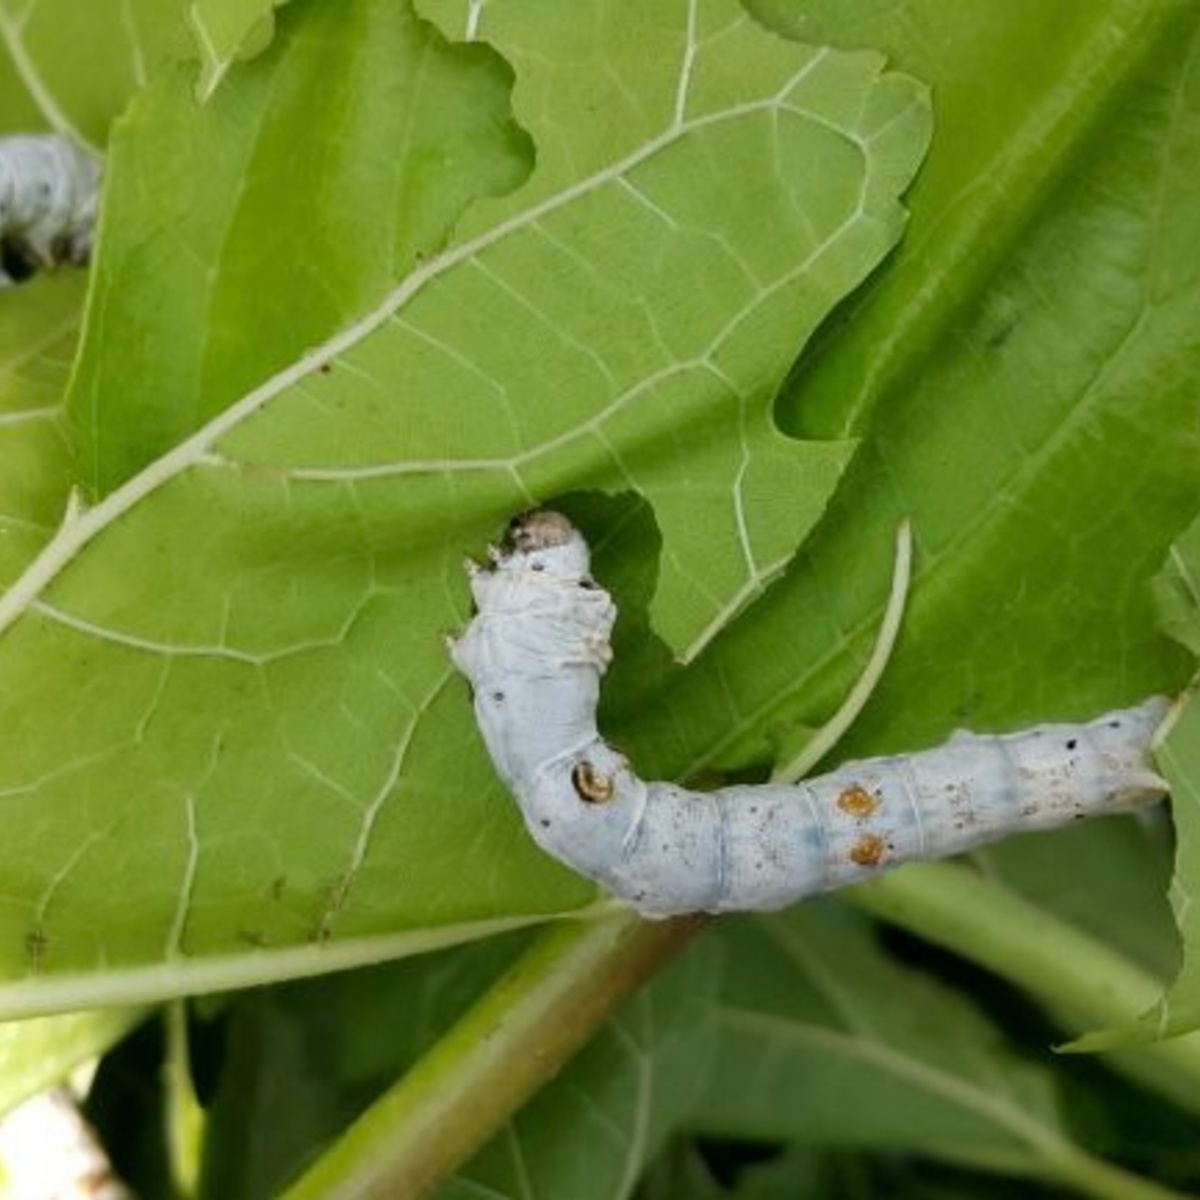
(534, 654)
(49, 190)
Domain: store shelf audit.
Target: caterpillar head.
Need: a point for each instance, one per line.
(544, 541)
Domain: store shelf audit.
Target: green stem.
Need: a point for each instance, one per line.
(513, 1040)
(1095, 1177)
(1084, 981)
(521, 1032)
(184, 1116)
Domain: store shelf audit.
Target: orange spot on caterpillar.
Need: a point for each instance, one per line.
(857, 802)
(868, 851)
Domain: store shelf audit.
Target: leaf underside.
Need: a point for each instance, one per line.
(336, 334)
(241, 650)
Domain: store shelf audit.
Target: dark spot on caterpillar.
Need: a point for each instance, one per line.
(1072, 743)
(498, 697)
(545, 822)
(856, 801)
(325, 368)
(588, 584)
(868, 851)
(537, 566)
(590, 786)
(1114, 724)
(754, 810)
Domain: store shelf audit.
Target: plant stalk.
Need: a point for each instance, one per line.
(512, 1041)
(528, 1025)
(1104, 1181)
(1084, 982)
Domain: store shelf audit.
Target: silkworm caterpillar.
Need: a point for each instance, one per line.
(534, 654)
(49, 194)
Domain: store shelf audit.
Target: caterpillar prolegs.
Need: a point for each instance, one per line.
(534, 654)
(49, 194)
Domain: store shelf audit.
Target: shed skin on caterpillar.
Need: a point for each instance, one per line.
(534, 654)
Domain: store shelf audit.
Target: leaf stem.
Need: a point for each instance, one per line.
(184, 1115)
(1096, 1177)
(514, 1039)
(835, 728)
(1086, 983)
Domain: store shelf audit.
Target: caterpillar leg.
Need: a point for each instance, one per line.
(834, 729)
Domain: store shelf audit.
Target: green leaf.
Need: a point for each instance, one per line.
(39, 330)
(1178, 1011)
(1177, 590)
(1019, 87)
(1024, 372)
(70, 67)
(41, 1052)
(281, 187)
(1047, 454)
(39, 327)
(226, 30)
(827, 1040)
(868, 131)
(239, 642)
(75, 65)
